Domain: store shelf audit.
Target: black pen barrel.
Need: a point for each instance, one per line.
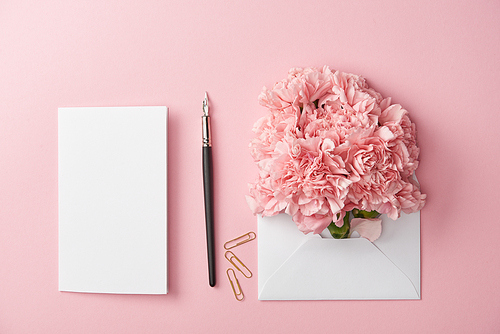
(209, 211)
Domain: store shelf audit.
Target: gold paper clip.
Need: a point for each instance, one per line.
(235, 285)
(239, 240)
(247, 273)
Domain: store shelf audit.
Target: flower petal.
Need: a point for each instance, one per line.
(367, 228)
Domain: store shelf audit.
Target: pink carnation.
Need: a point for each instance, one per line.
(331, 144)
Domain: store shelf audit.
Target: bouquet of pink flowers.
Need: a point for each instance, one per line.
(333, 153)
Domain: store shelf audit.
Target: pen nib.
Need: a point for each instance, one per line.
(205, 105)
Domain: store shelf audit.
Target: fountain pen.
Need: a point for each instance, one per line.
(208, 190)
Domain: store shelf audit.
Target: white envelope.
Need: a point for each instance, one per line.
(294, 266)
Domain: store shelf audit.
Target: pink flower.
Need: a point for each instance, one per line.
(303, 184)
(410, 199)
(331, 144)
(303, 86)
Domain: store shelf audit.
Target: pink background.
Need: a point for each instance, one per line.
(439, 59)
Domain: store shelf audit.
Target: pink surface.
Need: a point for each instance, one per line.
(438, 59)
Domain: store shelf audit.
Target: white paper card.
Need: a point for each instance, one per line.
(113, 200)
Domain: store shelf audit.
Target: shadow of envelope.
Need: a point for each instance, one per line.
(294, 266)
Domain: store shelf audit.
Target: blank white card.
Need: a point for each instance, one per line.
(113, 200)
